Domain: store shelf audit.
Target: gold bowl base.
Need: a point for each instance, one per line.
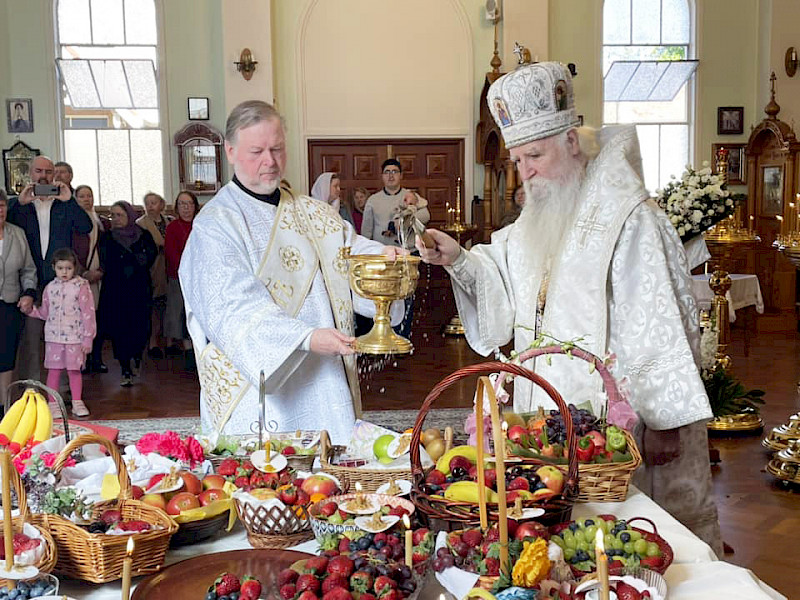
(736, 423)
(454, 327)
(382, 340)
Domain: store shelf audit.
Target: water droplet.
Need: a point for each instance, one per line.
(394, 364)
(383, 389)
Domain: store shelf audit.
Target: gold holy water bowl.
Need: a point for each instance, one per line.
(781, 436)
(382, 280)
(786, 464)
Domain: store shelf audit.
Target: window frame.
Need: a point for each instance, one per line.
(161, 84)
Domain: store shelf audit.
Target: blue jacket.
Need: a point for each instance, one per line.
(66, 218)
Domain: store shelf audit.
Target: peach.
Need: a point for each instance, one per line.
(213, 482)
(182, 501)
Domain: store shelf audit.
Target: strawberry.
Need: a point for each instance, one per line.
(307, 595)
(287, 591)
(383, 584)
(519, 483)
(242, 481)
(307, 581)
(329, 508)
(287, 576)
(492, 566)
(418, 535)
(652, 562)
(109, 517)
(334, 581)
(367, 597)
(645, 595)
(344, 515)
(248, 466)
(493, 534)
(288, 451)
(303, 499)
(418, 557)
(331, 553)
(257, 479)
(228, 467)
(472, 538)
(340, 565)
(338, 594)
(251, 588)
(344, 545)
(361, 582)
(316, 565)
(225, 585)
(399, 511)
(453, 539)
(392, 594)
(138, 526)
(380, 537)
(627, 592)
(435, 478)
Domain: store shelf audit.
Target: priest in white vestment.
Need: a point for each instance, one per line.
(591, 257)
(266, 289)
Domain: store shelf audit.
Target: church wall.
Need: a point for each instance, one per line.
(784, 34)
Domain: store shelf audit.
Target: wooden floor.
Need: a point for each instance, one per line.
(760, 519)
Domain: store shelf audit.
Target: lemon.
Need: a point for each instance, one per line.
(381, 447)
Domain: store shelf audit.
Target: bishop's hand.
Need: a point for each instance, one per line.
(445, 251)
(331, 342)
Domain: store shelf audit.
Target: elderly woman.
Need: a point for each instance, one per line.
(155, 221)
(327, 188)
(87, 248)
(187, 207)
(360, 195)
(17, 291)
(127, 253)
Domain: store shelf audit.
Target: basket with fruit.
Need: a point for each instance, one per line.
(29, 420)
(352, 513)
(456, 498)
(92, 553)
(627, 547)
(299, 447)
(607, 455)
(33, 544)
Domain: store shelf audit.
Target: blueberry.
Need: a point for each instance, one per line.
(380, 544)
(211, 596)
(588, 522)
(625, 537)
(234, 596)
(352, 547)
(573, 527)
(363, 543)
(13, 594)
(224, 598)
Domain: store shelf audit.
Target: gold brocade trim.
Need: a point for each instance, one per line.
(291, 259)
(223, 386)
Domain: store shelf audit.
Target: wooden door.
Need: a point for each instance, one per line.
(430, 167)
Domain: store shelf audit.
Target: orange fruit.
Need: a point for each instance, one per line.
(317, 497)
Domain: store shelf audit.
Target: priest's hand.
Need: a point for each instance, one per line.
(331, 342)
(393, 252)
(661, 447)
(444, 253)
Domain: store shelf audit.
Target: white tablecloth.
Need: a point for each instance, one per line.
(694, 574)
(745, 291)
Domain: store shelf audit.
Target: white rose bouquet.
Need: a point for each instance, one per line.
(695, 202)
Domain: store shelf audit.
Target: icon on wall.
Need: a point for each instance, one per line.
(19, 115)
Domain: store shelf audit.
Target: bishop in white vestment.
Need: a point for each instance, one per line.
(592, 257)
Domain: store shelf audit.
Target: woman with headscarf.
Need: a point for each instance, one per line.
(87, 248)
(327, 189)
(126, 255)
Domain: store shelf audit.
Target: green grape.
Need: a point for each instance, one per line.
(628, 548)
(569, 538)
(604, 525)
(569, 553)
(582, 545)
(558, 541)
(618, 545)
(640, 546)
(653, 549)
(635, 535)
(590, 533)
(608, 541)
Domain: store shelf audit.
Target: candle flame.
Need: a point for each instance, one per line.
(406, 522)
(598, 542)
(779, 217)
(504, 426)
(129, 547)
(358, 486)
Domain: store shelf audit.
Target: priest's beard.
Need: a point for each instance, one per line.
(547, 217)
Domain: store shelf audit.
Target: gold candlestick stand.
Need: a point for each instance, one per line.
(458, 230)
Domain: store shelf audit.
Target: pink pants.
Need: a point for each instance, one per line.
(75, 382)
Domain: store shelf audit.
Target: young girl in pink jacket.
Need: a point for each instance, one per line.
(68, 311)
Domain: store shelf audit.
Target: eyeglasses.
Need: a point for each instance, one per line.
(391, 172)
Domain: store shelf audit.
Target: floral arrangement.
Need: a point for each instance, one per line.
(695, 202)
(170, 445)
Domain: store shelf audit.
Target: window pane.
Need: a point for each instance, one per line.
(140, 21)
(651, 112)
(80, 150)
(107, 23)
(111, 83)
(146, 164)
(617, 22)
(674, 151)
(617, 79)
(648, 142)
(643, 81)
(79, 82)
(142, 81)
(123, 52)
(646, 21)
(73, 22)
(115, 174)
(675, 22)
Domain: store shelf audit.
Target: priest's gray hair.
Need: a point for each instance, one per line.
(249, 113)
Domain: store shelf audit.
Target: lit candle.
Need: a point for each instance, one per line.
(127, 565)
(409, 541)
(8, 529)
(602, 565)
(359, 495)
(500, 470)
(479, 457)
(780, 218)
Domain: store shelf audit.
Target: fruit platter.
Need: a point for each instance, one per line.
(349, 513)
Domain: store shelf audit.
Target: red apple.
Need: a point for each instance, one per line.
(213, 482)
(156, 500)
(460, 461)
(551, 477)
(289, 495)
(317, 484)
(516, 432)
(136, 492)
(191, 483)
(207, 497)
(531, 529)
(155, 479)
(519, 483)
(182, 501)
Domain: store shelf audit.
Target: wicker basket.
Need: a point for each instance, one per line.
(456, 515)
(274, 527)
(97, 557)
(193, 532)
(606, 482)
(370, 479)
(50, 556)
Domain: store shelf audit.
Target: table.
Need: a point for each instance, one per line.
(745, 291)
(694, 574)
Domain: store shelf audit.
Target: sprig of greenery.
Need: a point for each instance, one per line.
(66, 502)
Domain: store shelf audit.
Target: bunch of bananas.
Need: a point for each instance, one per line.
(28, 418)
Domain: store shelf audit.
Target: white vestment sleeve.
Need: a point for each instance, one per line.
(653, 323)
(227, 304)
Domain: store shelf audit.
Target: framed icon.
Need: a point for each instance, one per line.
(198, 109)
(19, 115)
(730, 120)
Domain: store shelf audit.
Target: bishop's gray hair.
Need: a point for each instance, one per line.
(249, 113)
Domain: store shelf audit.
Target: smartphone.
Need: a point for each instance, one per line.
(41, 190)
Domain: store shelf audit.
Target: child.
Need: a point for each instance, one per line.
(411, 206)
(68, 309)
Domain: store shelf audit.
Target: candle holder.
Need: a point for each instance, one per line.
(460, 231)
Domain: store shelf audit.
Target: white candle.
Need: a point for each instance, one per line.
(409, 542)
(602, 565)
(8, 529)
(127, 565)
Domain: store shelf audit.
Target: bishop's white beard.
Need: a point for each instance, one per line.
(545, 221)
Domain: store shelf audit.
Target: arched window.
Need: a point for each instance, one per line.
(107, 59)
(647, 71)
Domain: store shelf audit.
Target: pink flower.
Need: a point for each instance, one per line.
(196, 452)
(49, 459)
(19, 465)
(148, 443)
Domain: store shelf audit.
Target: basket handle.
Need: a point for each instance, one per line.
(26, 383)
(485, 369)
(125, 492)
(645, 519)
(22, 495)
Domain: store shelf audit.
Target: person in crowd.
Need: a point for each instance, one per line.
(266, 291)
(327, 188)
(519, 202)
(155, 221)
(127, 253)
(591, 258)
(49, 222)
(63, 172)
(360, 195)
(186, 207)
(68, 311)
(17, 291)
(87, 249)
(381, 205)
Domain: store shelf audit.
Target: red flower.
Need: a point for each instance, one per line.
(196, 452)
(148, 443)
(49, 459)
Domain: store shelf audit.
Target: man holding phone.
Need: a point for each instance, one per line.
(49, 215)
